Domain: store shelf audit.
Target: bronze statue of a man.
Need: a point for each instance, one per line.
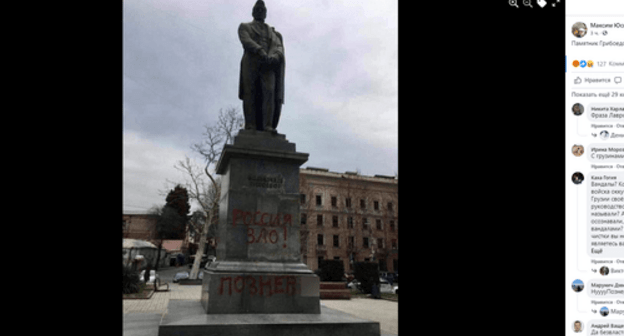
(261, 85)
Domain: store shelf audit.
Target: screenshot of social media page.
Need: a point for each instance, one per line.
(594, 117)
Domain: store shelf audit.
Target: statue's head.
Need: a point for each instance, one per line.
(259, 10)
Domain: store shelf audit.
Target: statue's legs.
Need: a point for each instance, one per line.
(259, 103)
(267, 83)
(250, 116)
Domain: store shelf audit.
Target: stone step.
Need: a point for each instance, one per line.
(186, 317)
(333, 285)
(335, 294)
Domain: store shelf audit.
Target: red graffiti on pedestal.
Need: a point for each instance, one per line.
(259, 218)
(259, 285)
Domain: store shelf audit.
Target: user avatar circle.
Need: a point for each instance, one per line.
(579, 29)
(604, 311)
(604, 270)
(577, 326)
(577, 178)
(604, 135)
(578, 109)
(577, 285)
(578, 150)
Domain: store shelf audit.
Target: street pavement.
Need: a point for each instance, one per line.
(142, 317)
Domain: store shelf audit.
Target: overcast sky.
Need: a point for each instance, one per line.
(181, 63)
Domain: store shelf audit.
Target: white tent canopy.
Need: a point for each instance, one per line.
(136, 243)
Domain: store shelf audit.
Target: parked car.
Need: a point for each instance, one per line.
(185, 275)
(393, 278)
(384, 286)
(180, 275)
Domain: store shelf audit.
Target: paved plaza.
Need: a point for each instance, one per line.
(159, 300)
(142, 317)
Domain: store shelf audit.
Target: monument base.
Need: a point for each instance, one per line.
(260, 293)
(187, 317)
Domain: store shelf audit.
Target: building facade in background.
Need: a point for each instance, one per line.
(349, 217)
(344, 216)
(139, 225)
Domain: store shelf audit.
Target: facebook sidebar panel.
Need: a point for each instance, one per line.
(594, 173)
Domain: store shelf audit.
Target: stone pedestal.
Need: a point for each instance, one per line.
(258, 285)
(260, 293)
(259, 268)
(188, 318)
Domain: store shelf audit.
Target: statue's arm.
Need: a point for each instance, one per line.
(248, 43)
(278, 50)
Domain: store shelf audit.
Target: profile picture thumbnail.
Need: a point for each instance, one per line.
(578, 177)
(577, 285)
(578, 109)
(578, 150)
(579, 29)
(577, 326)
(604, 311)
(604, 270)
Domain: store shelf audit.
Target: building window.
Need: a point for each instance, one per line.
(319, 239)
(351, 241)
(365, 223)
(319, 200)
(376, 205)
(335, 221)
(362, 204)
(336, 241)
(319, 220)
(319, 261)
(380, 243)
(349, 222)
(390, 207)
(378, 224)
(392, 225)
(302, 198)
(348, 202)
(304, 219)
(334, 201)
(365, 242)
(394, 244)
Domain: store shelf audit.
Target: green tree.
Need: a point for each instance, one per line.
(178, 200)
(172, 218)
(167, 226)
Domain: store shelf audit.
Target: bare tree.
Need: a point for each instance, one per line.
(207, 193)
(229, 123)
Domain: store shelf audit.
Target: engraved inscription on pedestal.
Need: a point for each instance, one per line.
(264, 181)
